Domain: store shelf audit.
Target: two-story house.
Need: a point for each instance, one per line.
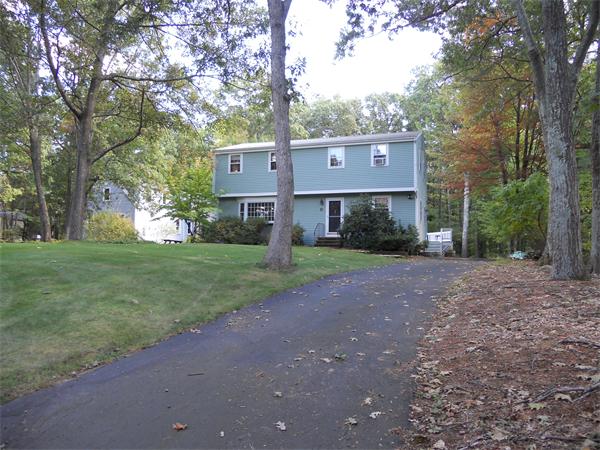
(329, 174)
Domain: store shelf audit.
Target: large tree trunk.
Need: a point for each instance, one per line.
(279, 252)
(78, 203)
(465, 227)
(556, 111)
(555, 79)
(35, 148)
(595, 158)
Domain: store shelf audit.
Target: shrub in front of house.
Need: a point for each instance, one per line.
(404, 240)
(232, 230)
(366, 225)
(110, 227)
(370, 227)
(298, 234)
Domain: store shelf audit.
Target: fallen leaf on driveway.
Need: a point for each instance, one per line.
(351, 421)
(367, 401)
(179, 426)
(375, 414)
(280, 426)
(277, 394)
(326, 360)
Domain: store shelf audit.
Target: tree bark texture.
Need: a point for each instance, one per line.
(35, 149)
(595, 160)
(465, 227)
(279, 251)
(554, 80)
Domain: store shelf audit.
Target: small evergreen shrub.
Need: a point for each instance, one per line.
(107, 226)
(232, 230)
(370, 227)
(366, 225)
(404, 240)
(298, 235)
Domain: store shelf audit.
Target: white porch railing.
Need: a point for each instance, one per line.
(443, 235)
(439, 242)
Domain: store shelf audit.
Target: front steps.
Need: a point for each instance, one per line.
(328, 241)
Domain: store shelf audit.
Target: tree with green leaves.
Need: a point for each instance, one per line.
(487, 34)
(190, 197)
(107, 60)
(25, 93)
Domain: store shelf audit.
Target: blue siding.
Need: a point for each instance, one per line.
(308, 211)
(311, 172)
(229, 207)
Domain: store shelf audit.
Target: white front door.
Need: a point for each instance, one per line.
(334, 215)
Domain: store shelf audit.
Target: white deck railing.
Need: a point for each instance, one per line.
(440, 236)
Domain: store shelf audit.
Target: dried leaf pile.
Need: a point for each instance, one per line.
(512, 361)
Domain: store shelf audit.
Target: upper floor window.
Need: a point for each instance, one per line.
(379, 155)
(272, 162)
(106, 194)
(383, 201)
(235, 163)
(336, 158)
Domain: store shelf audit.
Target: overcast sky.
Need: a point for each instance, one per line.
(378, 64)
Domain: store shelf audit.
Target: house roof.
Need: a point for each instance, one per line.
(407, 136)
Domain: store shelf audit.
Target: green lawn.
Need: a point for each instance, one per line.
(67, 305)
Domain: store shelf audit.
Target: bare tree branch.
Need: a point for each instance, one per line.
(535, 55)
(53, 67)
(588, 38)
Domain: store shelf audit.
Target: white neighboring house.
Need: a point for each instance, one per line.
(150, 226)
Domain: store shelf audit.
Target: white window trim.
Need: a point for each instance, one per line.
(269, 162)
(329, 166)
(389, 199)
(387, 156)
(229, 163)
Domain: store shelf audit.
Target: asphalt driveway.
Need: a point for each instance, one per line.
(331, 360)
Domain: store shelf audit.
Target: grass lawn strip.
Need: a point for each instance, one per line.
(512, 361)
(68, 306)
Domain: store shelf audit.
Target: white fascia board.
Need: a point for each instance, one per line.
(333, 143)
(325, 192)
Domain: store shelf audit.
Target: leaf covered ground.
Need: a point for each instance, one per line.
(512, 360)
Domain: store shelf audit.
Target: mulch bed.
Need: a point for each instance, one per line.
(512, 360)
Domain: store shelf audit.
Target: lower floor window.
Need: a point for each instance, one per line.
(382, 201)
(263, 210)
